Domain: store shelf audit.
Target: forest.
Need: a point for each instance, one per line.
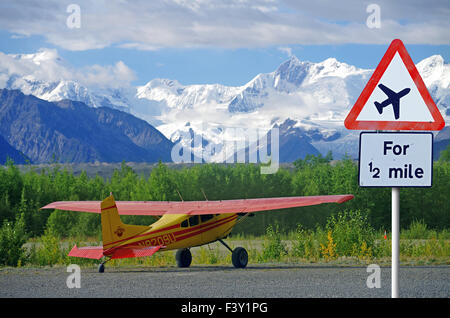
(23, 193)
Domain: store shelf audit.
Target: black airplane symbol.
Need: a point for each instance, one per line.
(393, 98)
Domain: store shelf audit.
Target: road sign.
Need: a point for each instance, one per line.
(395, 98)
(395, 159)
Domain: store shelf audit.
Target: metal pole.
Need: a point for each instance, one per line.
(395, 240)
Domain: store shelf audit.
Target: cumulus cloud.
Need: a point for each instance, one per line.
(115, 75)
(46, 65)
(150, 25)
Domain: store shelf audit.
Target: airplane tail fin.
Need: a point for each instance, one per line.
(379, 107)
(113, 230)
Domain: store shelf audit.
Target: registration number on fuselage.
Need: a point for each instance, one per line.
(159, 240)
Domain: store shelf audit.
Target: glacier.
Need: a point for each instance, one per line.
(307, 99)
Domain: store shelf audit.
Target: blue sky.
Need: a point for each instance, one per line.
(198, 42)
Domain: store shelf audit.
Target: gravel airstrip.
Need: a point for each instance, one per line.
(255, 281)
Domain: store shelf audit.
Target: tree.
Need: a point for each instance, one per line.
(12, 238)
(445, 155)
(312, 160)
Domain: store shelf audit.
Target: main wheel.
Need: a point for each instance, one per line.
(239, 257)
(183, 257)
(101, 268)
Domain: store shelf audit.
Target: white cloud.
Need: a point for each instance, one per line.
(115, 75)
(286, 50)
(46, 65)
(149, 25)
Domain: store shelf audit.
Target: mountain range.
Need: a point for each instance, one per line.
(70, 131)
(307, 101)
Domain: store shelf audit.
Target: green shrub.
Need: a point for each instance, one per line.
(12, 238)
(444, 234)
(305, 244)
(62, 223)
(48, 251)
(417, 230)
(352, 234)
(207, 255)
(273, 247)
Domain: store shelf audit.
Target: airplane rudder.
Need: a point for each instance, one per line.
(113, 229)
(110, 219)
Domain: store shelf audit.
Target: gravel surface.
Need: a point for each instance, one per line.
(258, 281)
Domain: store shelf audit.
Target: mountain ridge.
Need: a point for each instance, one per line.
(70, 131)
(315, 95)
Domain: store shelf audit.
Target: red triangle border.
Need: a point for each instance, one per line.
(351, 122)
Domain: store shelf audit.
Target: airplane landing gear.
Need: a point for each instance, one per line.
(183, 257)
(239, 256)
(101, 266)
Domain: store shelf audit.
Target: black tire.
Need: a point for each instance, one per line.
(101, 268)
(239, 257)
(183, 257)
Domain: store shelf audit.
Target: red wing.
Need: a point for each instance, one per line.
(200, 207)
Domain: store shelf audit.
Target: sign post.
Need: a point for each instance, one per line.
(395, 98)
(395, 241)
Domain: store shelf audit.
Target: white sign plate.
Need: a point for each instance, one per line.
(395, 159)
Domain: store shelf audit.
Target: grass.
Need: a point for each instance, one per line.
(347, 238)
(262, 250)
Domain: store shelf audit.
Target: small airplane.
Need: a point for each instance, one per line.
(181, 225)
(393, 98)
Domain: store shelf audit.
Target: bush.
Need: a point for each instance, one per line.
(305, 245)
(62, 223)
(49, 251)
(417, 230)
(12, 238)
(273, 247)
(351, 234)
(329, 250)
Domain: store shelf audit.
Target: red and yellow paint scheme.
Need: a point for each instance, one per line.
(182, 225)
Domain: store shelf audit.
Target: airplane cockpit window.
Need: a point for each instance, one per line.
(193, 220)
(206, 217)
(184, 223)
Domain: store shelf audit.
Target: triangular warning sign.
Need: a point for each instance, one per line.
(395, 98)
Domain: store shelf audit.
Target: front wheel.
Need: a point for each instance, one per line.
(183, 257)
(239, 257)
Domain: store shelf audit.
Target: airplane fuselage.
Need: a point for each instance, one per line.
(177, 231)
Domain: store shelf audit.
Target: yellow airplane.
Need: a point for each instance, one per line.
(182, 225)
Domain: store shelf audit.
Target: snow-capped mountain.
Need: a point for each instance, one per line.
(324, 81)
(308, 100)
(56, 91)
(314, 98)
(436, 75)
(45, 75)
